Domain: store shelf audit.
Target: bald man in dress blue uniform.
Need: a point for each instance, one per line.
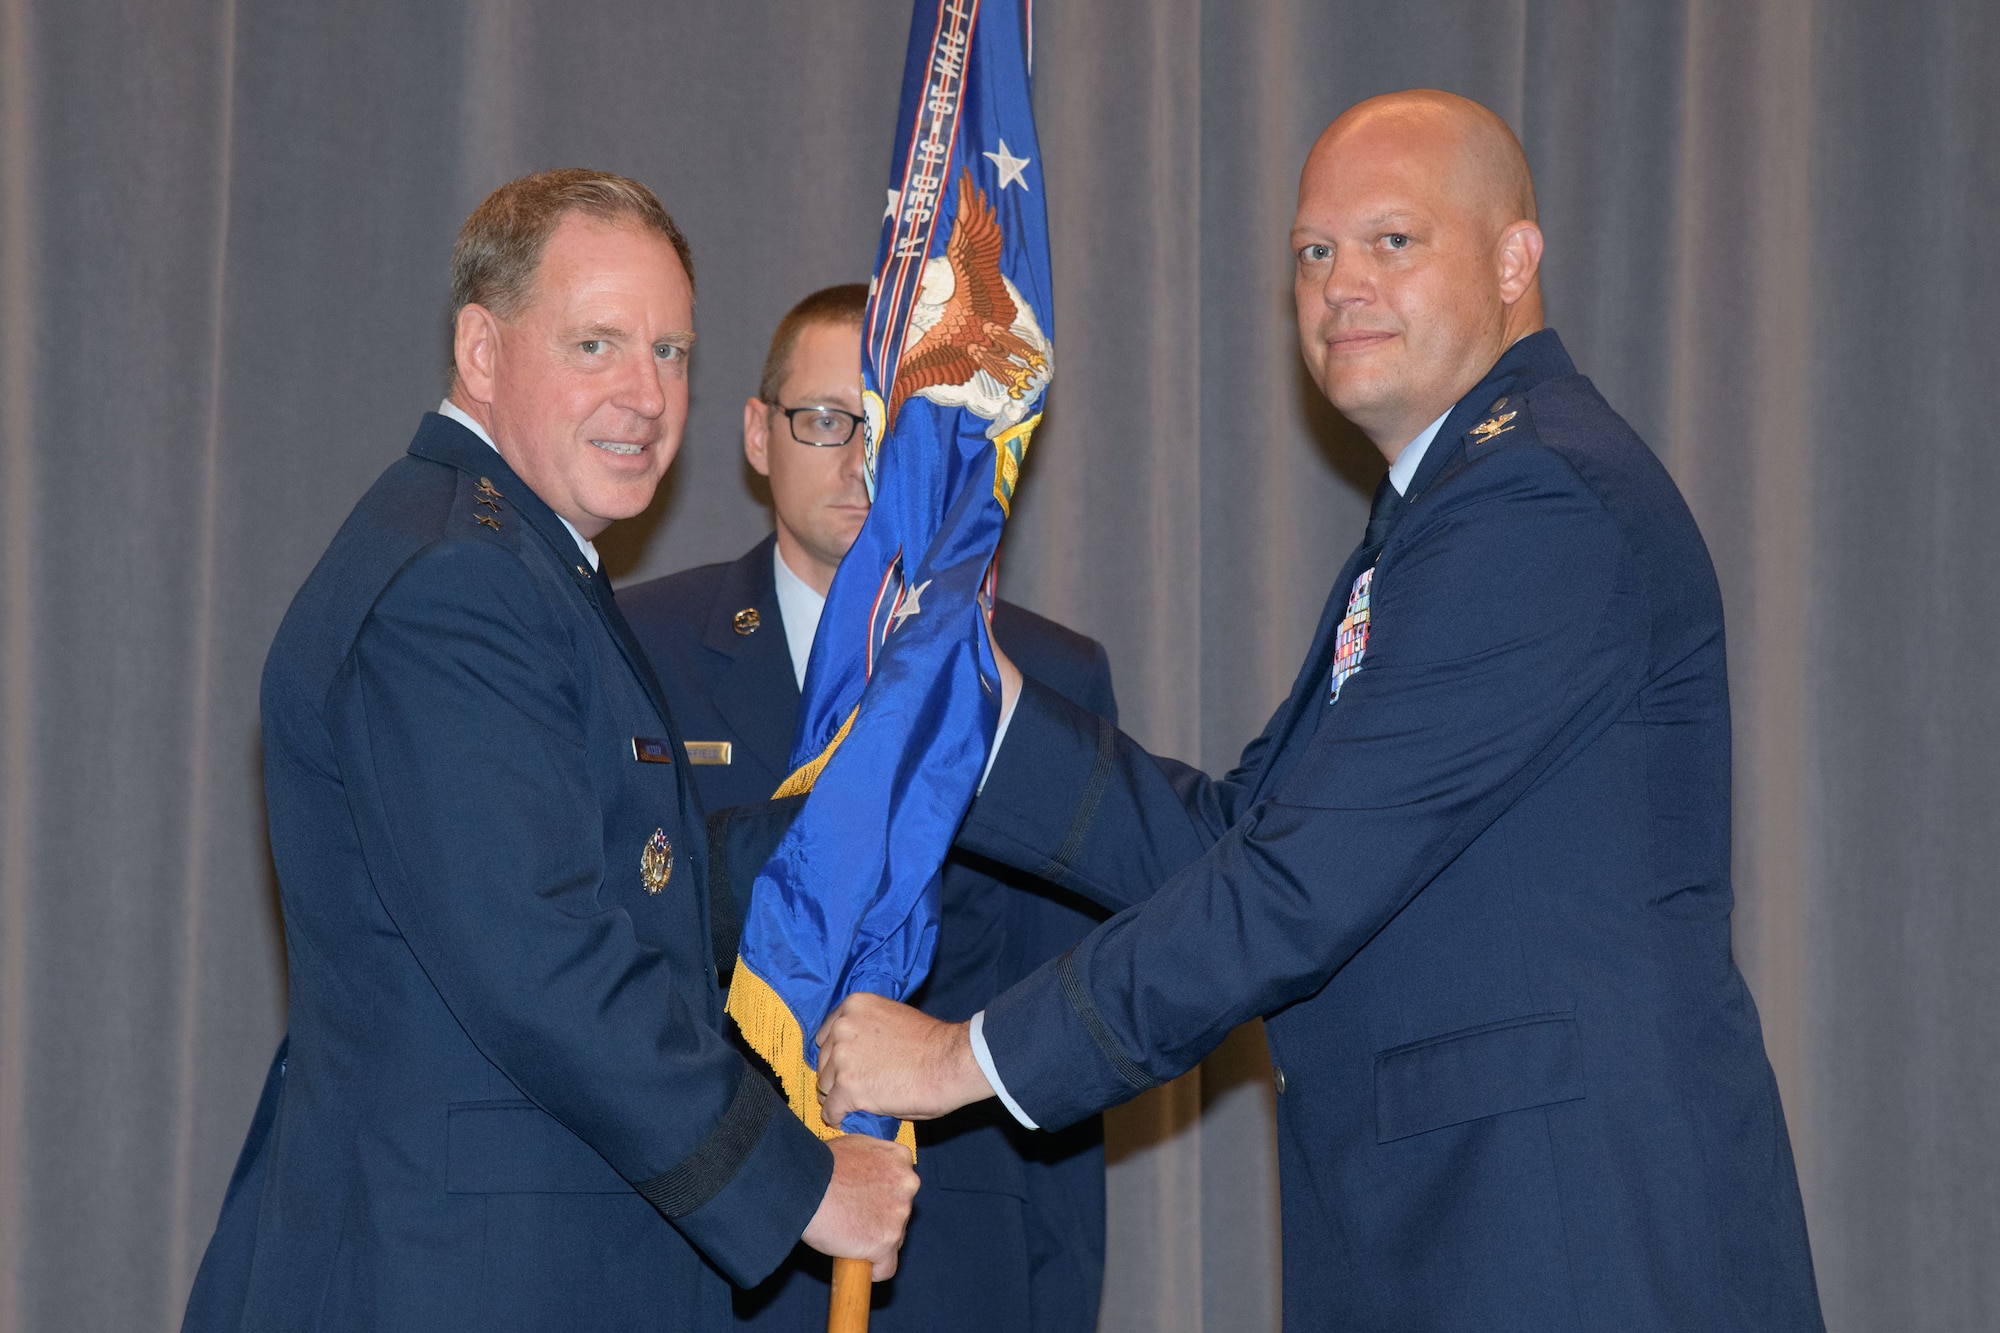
(1008, 1233)
(1475, 871)
(505, 1101)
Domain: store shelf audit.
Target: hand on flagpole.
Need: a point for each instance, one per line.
(881, 1056)
(867, 1203)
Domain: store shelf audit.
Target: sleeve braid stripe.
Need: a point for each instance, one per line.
(701, 1176)
(1079, 1000)
(1086, 807)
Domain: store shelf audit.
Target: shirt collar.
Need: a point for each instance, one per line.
(799, 605)
(448, 408)
(1404, 469)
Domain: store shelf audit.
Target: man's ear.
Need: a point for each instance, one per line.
(1520, 260)
(475, 351)
(757, 436)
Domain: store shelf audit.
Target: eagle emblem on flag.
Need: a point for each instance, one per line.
(973, 340)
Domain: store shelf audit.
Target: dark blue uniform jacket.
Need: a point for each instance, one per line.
(505, 1102)
(1008, 1231)
(1483, 897)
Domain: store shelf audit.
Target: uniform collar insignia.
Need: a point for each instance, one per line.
(1492, 426)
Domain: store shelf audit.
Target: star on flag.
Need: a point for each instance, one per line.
(910, 606)
(1010, 166)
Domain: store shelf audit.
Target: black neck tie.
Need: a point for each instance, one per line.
(1382, 514)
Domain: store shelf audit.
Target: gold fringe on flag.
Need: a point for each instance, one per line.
(774, 1033)
(767, 1023)
(803, 777)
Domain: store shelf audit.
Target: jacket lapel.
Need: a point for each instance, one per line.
(442, 440)
(1310, 688)
(755, 690)
(1539, 356)
(635, 657)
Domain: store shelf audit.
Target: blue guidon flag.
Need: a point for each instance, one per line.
(902, 694)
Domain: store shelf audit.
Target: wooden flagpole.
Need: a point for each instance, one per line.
(848, 1311)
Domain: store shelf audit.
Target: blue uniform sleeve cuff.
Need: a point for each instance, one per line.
(985, 1058)
(748, 1212)
(1059, 1059)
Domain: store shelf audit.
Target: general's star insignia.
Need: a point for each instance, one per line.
(485, 488)
(910, 606)
(656, 863)
(489, 521)
(1487, 429)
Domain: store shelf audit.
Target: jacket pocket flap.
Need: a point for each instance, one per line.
(518, 1148)
(1475, 1073)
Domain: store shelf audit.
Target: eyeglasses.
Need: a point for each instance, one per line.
(820, 427)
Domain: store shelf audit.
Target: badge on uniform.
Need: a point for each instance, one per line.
(1492, 426)
(648, 750)
(491, 499)
(709, 752)
(656, 863)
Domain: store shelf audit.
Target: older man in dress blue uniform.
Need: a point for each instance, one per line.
(505, 1100)
(1475, 872)
(1009, 1231)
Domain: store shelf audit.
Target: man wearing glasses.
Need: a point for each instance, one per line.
(1008, 1231)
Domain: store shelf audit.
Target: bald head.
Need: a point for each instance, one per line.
(1418, 257)
(1471, 149)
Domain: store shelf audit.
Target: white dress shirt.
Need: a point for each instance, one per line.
(1404, 470)
(799, 606)
(448, 408)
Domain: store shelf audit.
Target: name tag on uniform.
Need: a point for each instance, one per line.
(646, 750)
(708, 752)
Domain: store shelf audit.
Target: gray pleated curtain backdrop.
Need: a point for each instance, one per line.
(1771, 240)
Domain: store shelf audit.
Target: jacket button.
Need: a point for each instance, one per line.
(1278, 1077)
